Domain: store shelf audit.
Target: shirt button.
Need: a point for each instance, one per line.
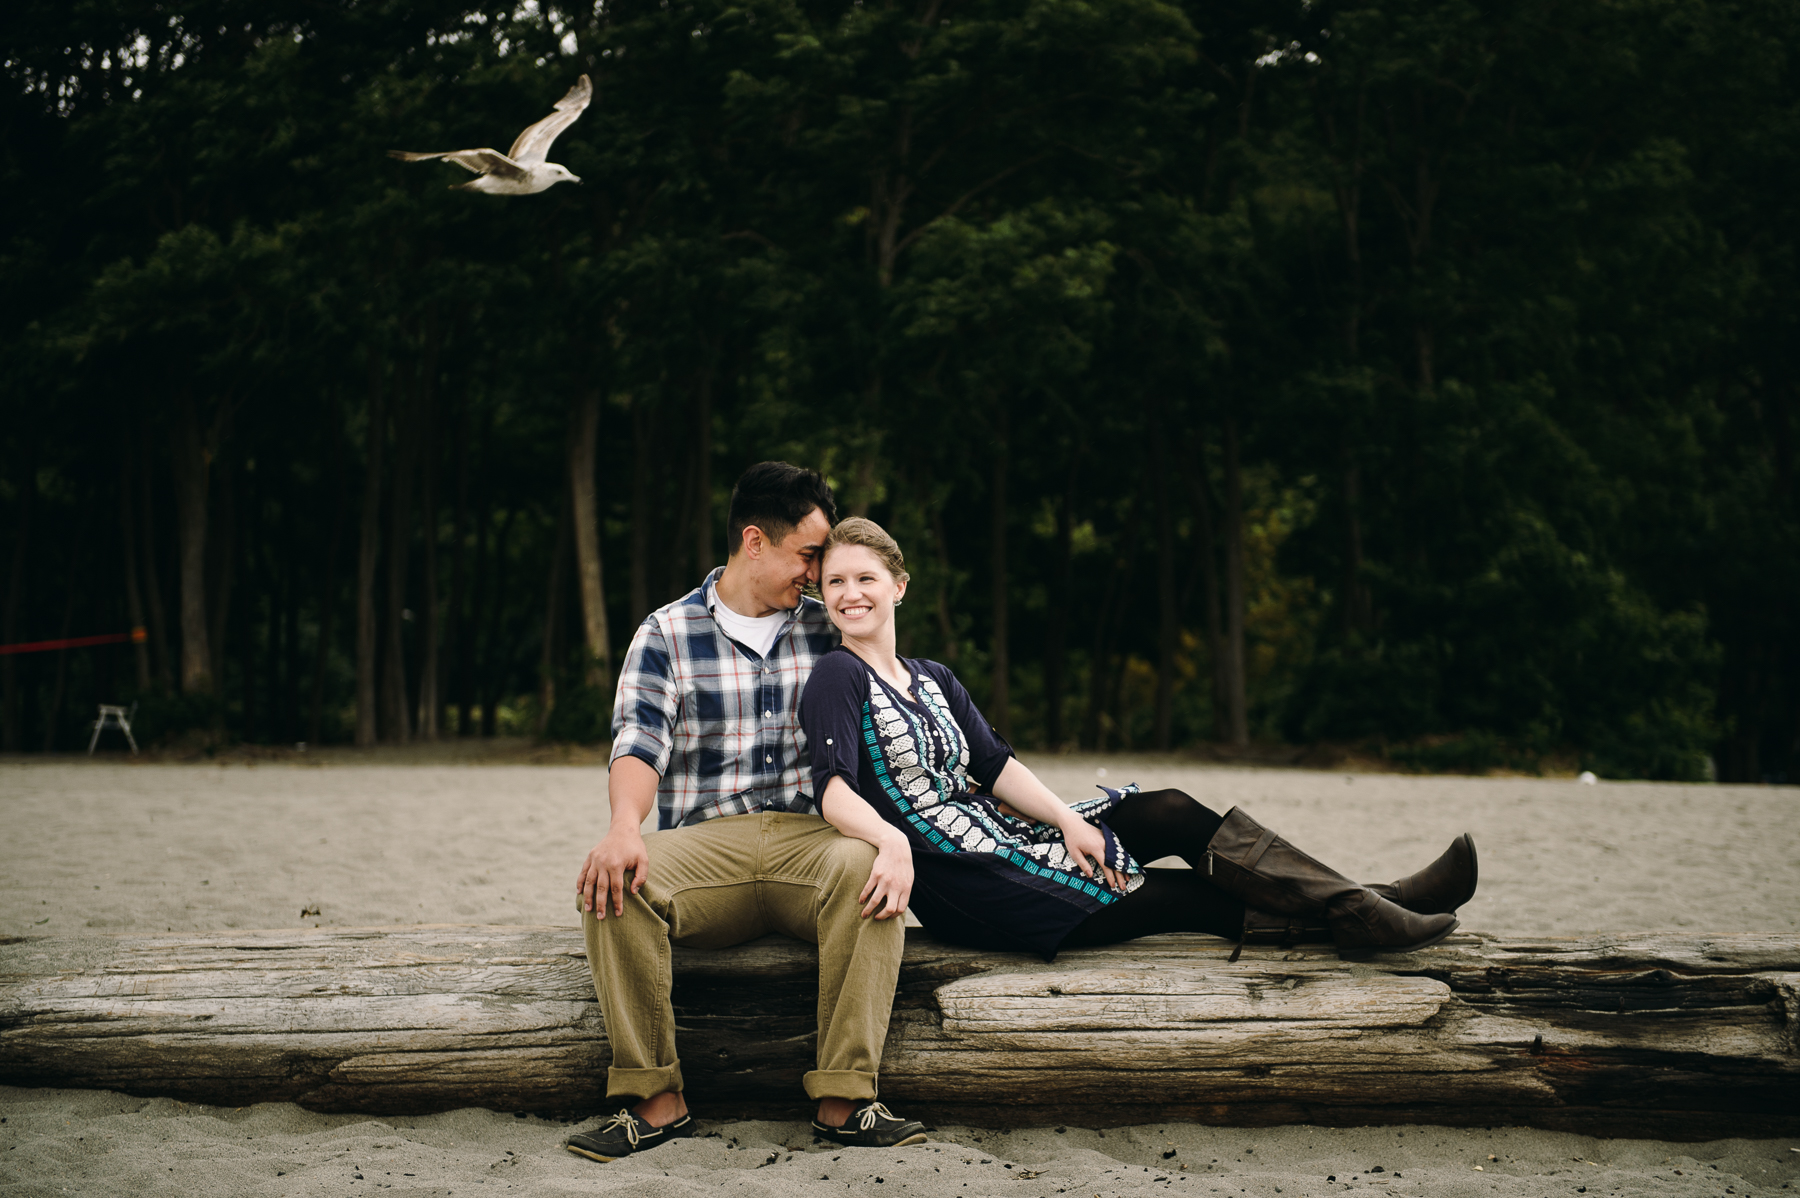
(768, 715)
(828, 740)
(769, 760)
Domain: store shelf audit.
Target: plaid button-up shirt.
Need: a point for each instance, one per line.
(718, 723)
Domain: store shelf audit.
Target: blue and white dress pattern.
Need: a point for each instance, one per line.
(921, 758)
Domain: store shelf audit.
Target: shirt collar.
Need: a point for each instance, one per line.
(709, 592)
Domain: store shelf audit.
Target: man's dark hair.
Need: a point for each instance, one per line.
(775, 497)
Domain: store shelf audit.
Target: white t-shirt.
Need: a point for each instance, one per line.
(754, 632)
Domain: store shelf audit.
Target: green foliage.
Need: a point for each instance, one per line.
(581, 715)
(164, 721)
(1493, 307)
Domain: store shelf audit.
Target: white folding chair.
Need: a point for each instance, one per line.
(114, 717)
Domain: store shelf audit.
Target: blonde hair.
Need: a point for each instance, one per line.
(859, 530)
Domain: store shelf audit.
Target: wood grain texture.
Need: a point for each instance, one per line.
(1675, 1037)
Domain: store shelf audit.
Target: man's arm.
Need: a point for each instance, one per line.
(631, 790)
(645, 708)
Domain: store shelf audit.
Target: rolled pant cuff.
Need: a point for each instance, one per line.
(839, 1083)
(643, 1083)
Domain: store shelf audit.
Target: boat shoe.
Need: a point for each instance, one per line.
(872, 1125)
(624, 1134)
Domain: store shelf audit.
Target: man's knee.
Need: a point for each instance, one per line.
(848, 860)
(853, 855)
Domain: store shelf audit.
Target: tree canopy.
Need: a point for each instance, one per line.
(1407, 375)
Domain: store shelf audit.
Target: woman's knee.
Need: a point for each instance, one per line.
(1175, 805)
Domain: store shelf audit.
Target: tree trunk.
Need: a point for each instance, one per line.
(548, 663)
(677, 579)
(61, 685)
(460, 630)
(494, 653)
(192, 460)
(367, 556)
(252, 712)
(1099, 665)
(1356, 614)
(134, 602)
(11, 734)
(1056, 638)
(161, 662)
(641, 430)
(584, 431)
(256, 581)
(705, 550)
(999, 707)
(1236, 698)
(940, 545)
(1114, 603)
(285, 703)
(1655, 1035)
(328, 593)
(1167, 631)
(221, 563)
(1205, 524)
(428, 705)
(396, 713)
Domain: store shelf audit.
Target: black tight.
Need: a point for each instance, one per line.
(1163, 823)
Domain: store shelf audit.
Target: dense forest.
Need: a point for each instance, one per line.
(1411, 375)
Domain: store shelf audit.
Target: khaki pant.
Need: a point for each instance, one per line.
(726, 881)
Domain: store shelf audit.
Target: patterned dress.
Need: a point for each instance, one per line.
(981, 877)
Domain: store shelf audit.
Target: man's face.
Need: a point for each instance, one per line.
(781, 572)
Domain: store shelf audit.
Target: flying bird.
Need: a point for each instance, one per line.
(521, 171)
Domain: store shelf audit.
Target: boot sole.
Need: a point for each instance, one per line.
(1360, 954)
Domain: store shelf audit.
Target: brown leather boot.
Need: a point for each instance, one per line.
(1249, 861)
(1442, 886)
(1285, 931)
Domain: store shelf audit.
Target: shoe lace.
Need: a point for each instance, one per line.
(869, 1115)
(623, 1121)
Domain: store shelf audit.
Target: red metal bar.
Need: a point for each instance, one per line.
(76, 642)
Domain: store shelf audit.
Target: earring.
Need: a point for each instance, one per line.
(898, 602)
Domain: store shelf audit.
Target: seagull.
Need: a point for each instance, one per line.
(521, 171)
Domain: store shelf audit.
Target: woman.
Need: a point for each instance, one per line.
(1016, 868)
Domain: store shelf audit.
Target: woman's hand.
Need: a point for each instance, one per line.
(890, 879)
(1084, 842)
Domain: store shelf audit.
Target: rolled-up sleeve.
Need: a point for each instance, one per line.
(988, 754)
(646, 703)
(831, 713)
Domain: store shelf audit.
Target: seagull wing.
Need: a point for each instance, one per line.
(478, 162)
(534, 144)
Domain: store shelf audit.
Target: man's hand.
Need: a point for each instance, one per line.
(631, 790)
(603, 873)
(890, 883)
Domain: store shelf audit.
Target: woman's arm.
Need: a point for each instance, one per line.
(1020, 789)
(891, 878)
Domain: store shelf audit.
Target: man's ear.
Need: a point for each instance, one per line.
(753, 541)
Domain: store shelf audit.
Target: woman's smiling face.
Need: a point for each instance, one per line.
(859, 592)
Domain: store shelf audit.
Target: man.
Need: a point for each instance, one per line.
(706, 730)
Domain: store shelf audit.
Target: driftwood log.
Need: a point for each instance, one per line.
(1664, 1036)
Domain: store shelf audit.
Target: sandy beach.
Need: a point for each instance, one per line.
(114, 847)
